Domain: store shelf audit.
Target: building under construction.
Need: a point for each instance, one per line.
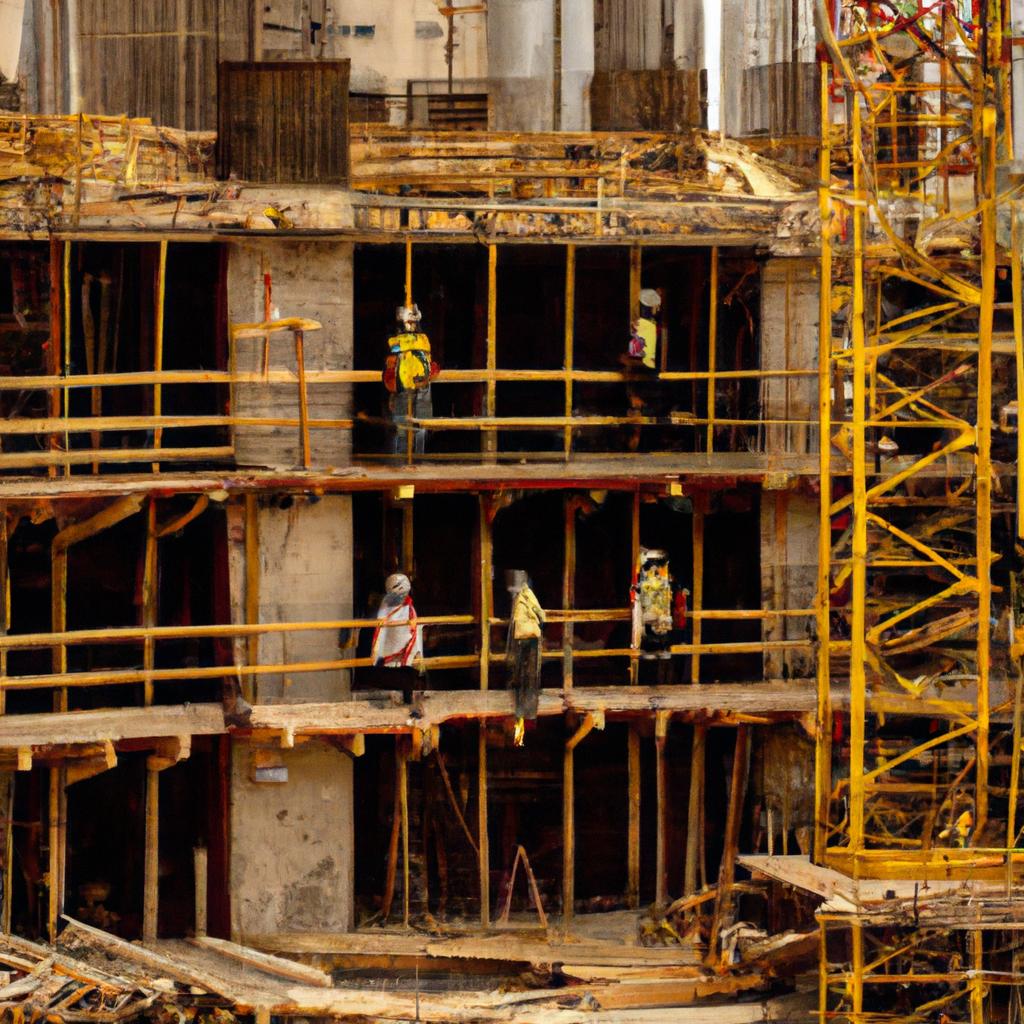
(510, 511)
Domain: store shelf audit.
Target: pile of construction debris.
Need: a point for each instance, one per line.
(93, 976)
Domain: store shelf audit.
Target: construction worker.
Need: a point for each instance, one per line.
(397, 640)
(408, 371)
(523, 648)
(640, 363)
(657, 608)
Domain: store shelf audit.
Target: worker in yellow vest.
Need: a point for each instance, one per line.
(408, 371)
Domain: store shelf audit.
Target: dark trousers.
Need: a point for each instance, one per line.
(524, 675)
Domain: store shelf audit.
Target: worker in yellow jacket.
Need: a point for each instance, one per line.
(525, 629)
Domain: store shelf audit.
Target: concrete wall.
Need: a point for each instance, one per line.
(577, 63)
(789, 568)
(520, 64)
(310, 279)
(770, 71)
(789, 341)
(292, 844)
(304, 575)
(388, 41)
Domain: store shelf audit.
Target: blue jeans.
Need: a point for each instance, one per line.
(422, 407)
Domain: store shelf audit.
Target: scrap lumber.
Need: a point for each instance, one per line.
(266, 962)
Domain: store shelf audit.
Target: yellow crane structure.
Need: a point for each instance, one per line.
(916, 780)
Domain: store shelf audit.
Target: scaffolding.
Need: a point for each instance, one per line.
(913, 111)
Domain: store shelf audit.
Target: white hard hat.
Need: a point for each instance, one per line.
(405, 313)
(650, 298)
(397, 583)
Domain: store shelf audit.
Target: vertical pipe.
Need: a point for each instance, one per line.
(568, 589)
(695, 810)
(977, 981)
(482, 836)
(151, 880)
(149, 597)
(252, 590)
(5, 916)
(660, 738)
(633, 750)
(403, 796)
(570, 327)
(712, 348)
(822, 971)
(697, 597)
(5, 605)
(200, 859)
(568, 834)
(857, 940)
(74, 59)
(633, 837)
(67, 340)
(823, 744)
(984, 463)
(53, 822)
(858, 650)
(158, 345)
(408, 272)
(53, 353)
(490, 434)
(1018, 346)
(486, 591)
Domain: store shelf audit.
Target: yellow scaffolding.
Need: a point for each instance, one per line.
(911, 105)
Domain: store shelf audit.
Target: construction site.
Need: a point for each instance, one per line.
(629, 391)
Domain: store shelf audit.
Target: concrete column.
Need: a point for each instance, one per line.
(292, 846)
(305, 576)
(688, 34)
(789, 565)
(577, 63)
(310, 279)
(520, 60)
(789, 341)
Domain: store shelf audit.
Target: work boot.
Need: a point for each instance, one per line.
(237, 710)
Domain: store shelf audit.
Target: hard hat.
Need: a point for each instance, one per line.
(650, 298)
(398, 583)
(516, 579)
(404, 313)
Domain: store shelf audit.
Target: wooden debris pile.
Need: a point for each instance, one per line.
(623, 165)
(46, 984)
(94, 976)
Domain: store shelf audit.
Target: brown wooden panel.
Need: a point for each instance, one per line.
(155, 59)
(661, 100)
(284, 121)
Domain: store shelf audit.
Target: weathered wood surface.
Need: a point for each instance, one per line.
(104, 175)
(284, 121)
(123, 724)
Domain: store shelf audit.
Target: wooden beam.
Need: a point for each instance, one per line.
(490, 438)
(568, 588)
(200, 873)
(727, 872)
(485, 541)
(661, 723)
(568, 357)
(23, 732)
(695, 811)
(252, 589)
(482, 836)
(633, 824)
(151, 862)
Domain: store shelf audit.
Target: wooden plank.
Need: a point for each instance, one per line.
(275, 965)
(40, 730)
(151, 873)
